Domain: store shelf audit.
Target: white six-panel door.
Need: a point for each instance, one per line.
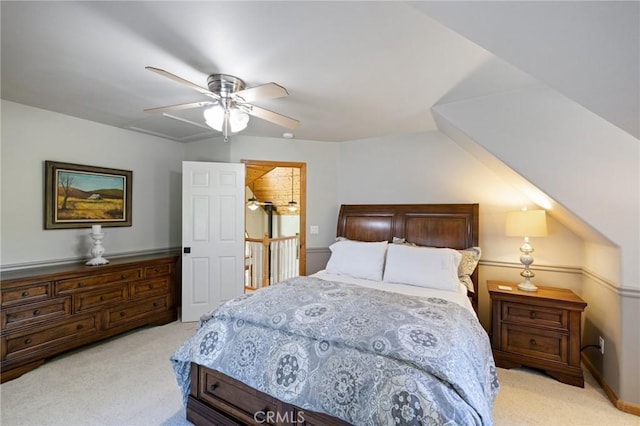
(212, 235)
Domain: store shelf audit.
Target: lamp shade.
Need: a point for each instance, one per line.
(215, 116)
(526, 223)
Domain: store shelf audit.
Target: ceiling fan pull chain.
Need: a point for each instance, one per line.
(225, 125)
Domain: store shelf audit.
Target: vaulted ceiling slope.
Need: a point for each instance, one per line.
(588, 50)
(353, 69)
(585, 166)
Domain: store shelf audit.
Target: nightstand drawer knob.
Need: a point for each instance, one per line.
(532, 315)
(532, 342)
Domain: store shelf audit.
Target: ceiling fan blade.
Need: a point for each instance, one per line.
(179, 107)
(183, 81)
(260, 93)
(274, 117)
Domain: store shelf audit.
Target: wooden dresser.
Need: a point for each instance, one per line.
(46, 311)
(538, 329)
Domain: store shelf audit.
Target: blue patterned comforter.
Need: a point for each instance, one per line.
(366, 356)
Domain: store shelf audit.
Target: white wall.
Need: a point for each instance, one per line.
(289, 225)
(574, 156)
(431, 168)
(30, 136)
(592, 169)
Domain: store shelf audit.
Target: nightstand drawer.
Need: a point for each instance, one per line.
(541, 316)
(534, 342)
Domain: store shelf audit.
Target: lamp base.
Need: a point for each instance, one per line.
(96, 261)
(527, 286)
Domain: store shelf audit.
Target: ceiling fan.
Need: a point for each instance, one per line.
(231, 104)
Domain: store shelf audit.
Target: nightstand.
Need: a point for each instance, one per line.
(538, 329)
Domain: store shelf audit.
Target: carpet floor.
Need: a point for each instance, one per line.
(128, 381)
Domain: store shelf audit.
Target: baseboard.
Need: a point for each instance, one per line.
(627, 407)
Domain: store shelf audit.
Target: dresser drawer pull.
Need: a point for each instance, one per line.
(102, 298)
(532, 342)
(157, 270)
(532, 315)
(155, 304)
(36, 312)
(27, 341)
(150, 286)
(123, 276)
(80, 284)
(79, 327)
(213, 387)
(25, 293)
(122, 314)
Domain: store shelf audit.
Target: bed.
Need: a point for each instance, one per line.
(359, 342)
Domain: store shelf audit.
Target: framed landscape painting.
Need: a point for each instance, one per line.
(78, 196)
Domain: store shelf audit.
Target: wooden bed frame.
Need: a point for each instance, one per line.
(220, 400)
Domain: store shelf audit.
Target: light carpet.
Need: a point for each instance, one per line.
(128, 381)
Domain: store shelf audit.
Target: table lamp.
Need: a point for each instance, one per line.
(526, 223)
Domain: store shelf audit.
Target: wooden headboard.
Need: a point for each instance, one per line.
(435, 225)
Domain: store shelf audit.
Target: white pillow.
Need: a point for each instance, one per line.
(423, 266)
(357, 259)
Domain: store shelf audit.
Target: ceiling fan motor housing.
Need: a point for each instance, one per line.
(224, 84)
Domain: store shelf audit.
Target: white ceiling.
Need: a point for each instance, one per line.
(353, 69)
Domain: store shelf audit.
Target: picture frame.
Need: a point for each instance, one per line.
(79, 196)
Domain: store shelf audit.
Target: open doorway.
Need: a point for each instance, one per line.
(275, 221)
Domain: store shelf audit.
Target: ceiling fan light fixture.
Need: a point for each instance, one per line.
(215, 116)
(238, 120)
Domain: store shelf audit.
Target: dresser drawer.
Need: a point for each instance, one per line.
(122, 314)
(218, 391)
(31, 293)
(149, 288)
(95, 299)
(17, 316)
(16, 343)
(538, 315)
(154, 271)
(534, 342)
(70, 285)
